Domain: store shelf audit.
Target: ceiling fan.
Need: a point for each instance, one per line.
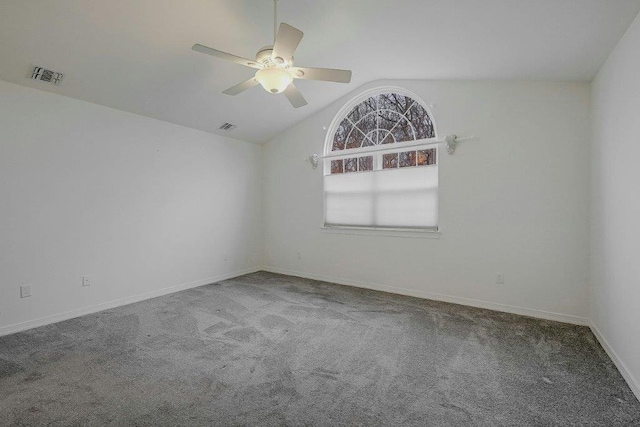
(275, 65)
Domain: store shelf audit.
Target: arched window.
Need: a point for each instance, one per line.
(382, 167)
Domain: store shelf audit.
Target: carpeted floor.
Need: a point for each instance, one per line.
(267, 349)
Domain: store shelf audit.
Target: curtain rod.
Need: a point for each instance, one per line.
(450, 140)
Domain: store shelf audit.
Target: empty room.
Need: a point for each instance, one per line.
(319, 213)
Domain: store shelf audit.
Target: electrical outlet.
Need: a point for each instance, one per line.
(500, 279)
(25, 291)
(299, 255)
(225, 257)
(86, 281)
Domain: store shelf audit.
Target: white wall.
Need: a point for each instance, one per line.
(138, 204)
(514, 201)
(615, 271)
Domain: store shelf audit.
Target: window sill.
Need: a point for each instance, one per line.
(384, 232)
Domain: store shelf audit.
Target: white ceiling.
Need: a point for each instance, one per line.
(135, 55)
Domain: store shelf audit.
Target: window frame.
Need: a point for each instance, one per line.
(377, 152)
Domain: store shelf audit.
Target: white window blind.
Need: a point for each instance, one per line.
(388, 198)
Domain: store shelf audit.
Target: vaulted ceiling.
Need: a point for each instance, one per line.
(134, 55)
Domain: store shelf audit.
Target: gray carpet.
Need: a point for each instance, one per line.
(267, 349)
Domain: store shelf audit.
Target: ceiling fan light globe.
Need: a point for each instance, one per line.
(274, 80)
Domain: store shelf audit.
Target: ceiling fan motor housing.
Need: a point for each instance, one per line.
(265, 57)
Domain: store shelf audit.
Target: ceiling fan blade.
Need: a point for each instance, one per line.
(287, 41)
(226, 56)
(324, 74)
(294, 96)
(242, 87)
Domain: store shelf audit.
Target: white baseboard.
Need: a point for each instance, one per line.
(23, 326)
(540, 314)
(634, 384)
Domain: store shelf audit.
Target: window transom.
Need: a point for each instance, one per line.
(387, 117)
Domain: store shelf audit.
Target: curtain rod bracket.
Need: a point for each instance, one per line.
(313, 159)
(452, 143)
